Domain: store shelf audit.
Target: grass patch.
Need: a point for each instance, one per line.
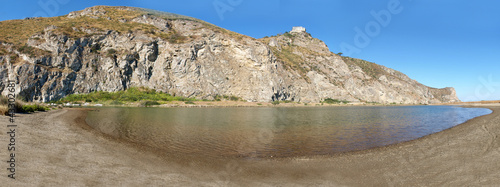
(129, 95)
(371, 69)
(20, 106)
(172, 37)
(189, 103)
(291, 60)
(32, 51)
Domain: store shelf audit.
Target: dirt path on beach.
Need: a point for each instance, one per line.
(56, 148)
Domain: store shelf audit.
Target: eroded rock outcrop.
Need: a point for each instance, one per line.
(191, 58)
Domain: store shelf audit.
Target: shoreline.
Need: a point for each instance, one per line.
(467, 153)
(225, 104)
(405, 143)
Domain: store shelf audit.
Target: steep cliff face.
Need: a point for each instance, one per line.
(114, 48)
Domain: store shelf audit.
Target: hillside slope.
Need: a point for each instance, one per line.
(115, 48)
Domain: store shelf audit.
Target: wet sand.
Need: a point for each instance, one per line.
(57, 148)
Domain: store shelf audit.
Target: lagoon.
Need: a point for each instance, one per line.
(273, 132)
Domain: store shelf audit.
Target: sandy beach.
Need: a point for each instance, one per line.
(57, 148)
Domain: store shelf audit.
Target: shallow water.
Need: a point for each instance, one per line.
(275, 132)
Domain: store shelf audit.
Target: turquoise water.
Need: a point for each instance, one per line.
(275, 132)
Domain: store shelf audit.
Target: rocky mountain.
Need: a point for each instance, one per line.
(114, 48)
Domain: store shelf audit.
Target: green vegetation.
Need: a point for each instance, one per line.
(114, 102)
(111, 53)
(14, 58)
(149, 103)
(189, 103)
(118, 19)
(129, 95)
(173, 37)
(334, 101)
(20, 106)
(3, 52)
(371, 69)
(284, 101)
(31, 51)
(146, 97)
(287, 34)
(95, 48)
(290, 60)
(18, 32)
(32, 108)
(225, 97)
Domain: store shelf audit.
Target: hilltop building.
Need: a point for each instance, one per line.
(298, 30)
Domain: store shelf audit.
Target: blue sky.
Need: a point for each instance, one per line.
(438, 43)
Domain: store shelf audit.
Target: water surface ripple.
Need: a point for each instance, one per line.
(275, 132)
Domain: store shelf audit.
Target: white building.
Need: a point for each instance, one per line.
(298, 30)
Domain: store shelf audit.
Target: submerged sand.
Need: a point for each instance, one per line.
(57, 148)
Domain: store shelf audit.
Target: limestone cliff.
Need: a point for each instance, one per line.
(114, 48)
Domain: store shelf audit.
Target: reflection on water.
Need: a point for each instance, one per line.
(275, 132)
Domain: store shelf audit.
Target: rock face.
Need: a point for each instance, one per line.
(191, 58)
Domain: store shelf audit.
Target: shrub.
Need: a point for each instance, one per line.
(33, 108)
(25, 49)
(287, 34)
(218, 98)
(111, 53)
(175, 38)
(190, 102)
(95, 48)
(4, 110)
(150, 103)
(13, 58)
(234, 98)
(334, 101)
(3, 52)
(276, 102)
(4, 102)
(41, 108)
